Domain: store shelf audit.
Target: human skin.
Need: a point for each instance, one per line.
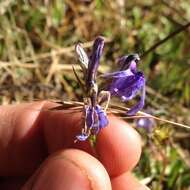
(37, 151)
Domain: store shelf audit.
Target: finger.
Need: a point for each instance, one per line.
(118, 147)
(70, 169)
(127, 181)
(22, 147)
(22, 143)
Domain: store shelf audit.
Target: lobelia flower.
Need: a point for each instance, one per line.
(127, 82)
(146, 123)
(95, 116)
(96, 119)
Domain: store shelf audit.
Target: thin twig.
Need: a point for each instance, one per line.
(171, 35)
(144, 115)
(140, 114)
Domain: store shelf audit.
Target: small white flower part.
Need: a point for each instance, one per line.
(83, 58)
(123, 98)
(115, 90)
(141, 122)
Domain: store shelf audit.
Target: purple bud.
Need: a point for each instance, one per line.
(94, 60)
(147, 123)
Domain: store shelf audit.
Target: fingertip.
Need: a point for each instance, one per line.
(118, 147)
(70, 169)
(95, 171)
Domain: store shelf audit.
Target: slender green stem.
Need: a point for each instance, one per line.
(171, 35)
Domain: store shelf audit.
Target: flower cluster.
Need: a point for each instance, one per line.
(95, 115)
(125, 84)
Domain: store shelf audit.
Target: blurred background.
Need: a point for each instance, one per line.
(37, 40)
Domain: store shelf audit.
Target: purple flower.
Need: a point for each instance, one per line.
(147, 123)
(95, 119)
(127, 83)
(95, 116)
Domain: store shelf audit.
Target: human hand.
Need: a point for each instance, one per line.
(37, 151)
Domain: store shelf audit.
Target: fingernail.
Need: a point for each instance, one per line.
(70, 169)
(62, 174)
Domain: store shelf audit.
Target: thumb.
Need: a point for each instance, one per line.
(70, 169)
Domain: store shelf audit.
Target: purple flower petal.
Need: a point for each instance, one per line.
(82, 137)
(127, 87)
(94, 59)
(147, 123)
(118, 74)
(126, 60)
(133, 67)
(91, 117)
(133, 84)
(125, 84)
(96, 118)
(103, 121)
(139, 105)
